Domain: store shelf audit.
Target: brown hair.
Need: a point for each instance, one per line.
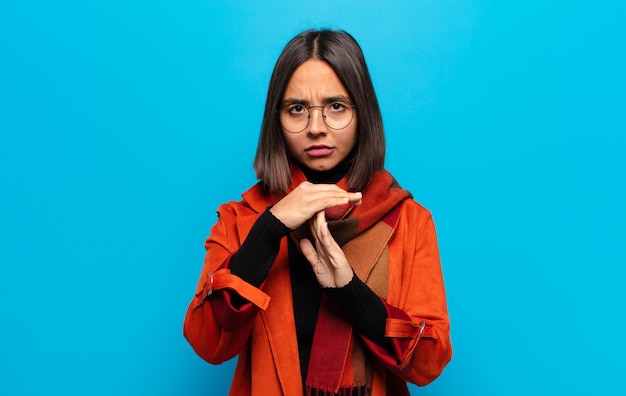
(341, 51)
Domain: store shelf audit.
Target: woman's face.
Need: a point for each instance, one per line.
(318, 147)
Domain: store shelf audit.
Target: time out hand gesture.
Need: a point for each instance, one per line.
(327, 259)
(308, 199)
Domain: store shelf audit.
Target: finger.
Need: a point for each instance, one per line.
(322, 202)
(328, 246)
(356, 198)
(323, 189)
(321, 192)
(325, 236)
(329, 201)
(316, 222)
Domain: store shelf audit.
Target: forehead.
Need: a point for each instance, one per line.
(314, 80)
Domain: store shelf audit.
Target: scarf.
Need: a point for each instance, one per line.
(338, 364)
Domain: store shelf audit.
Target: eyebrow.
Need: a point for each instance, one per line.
(338, 98)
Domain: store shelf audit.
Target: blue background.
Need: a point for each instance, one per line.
(124, 124)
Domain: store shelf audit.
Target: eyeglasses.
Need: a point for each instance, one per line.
(295, 117)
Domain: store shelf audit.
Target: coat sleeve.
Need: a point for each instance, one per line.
(215, 328)
(418, 325)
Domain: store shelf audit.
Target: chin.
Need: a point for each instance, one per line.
(322, 167)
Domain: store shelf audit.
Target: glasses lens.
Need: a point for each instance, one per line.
(338, 115)
(294, 117)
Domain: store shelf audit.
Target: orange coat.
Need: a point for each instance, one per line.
(263, 333)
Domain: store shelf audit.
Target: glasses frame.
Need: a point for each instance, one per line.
(308, 118)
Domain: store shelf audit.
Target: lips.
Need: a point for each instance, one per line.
(319, 151)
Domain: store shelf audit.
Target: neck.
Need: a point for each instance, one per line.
(331, 176)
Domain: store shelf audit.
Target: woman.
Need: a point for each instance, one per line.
(325, 279)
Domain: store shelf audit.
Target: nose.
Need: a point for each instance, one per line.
(316, 120)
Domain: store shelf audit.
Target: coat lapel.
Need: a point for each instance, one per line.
(278, 320)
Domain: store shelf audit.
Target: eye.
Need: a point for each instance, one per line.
(296, 109)
(337, 107)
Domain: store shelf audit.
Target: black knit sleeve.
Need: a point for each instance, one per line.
(258, 251)
(364, 308)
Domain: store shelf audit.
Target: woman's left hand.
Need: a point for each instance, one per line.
(327, 259)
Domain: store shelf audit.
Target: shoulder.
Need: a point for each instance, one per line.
(413, 214)
(411, 204)
(254, 200)
(408, 205)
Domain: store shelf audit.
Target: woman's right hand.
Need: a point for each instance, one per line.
(307, 199)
